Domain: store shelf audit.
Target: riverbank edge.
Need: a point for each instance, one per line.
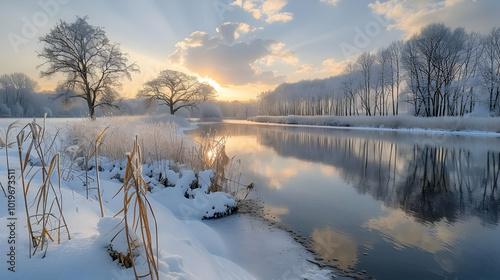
(471, 126)
(255, 208)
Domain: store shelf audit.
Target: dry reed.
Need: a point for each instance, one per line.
(47, 221)
(136, 210)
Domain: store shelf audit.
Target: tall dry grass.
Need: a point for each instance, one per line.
(136, 212)
(6, 144)
(159, 140)
(210, 154)
(44, 212)
(164, 147)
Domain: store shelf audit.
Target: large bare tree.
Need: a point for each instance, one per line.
(92, 65)
(177, 90)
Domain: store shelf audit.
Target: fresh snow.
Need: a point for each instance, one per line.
(234, 247)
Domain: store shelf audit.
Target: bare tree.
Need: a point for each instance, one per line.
(490, 69)
(177, 90)
(347, 86)
(383, 58)
(92, 65)
(206, 93)
(395, 49)
(365, 62)
(440, 65)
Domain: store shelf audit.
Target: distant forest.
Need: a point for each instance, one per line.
(439, 72)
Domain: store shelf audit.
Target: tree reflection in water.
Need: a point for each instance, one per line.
(432, 196)
(449, 181)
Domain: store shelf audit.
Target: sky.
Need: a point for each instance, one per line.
(241, 47)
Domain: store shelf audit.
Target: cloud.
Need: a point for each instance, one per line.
(231, 31)
(332, 67)
(328, 66)
(411, 16)
(334, 246)
(231, 62)
(269, 9)
(404, 232)
(278, 53)
(306, 68)
(331, 2)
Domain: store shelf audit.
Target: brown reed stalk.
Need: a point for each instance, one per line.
(136, 208)
(46, 195)
(97, 144)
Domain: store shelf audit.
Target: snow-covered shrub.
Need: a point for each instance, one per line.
(209, 110)
(5, 111)
(46, 111)
(18, 110)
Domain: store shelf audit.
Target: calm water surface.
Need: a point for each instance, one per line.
(398, 205)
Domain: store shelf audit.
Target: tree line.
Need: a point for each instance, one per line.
(439, 72)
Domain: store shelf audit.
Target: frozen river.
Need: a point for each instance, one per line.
(398, 205)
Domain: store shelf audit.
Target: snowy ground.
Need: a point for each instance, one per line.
(485, 126)
(234, 247)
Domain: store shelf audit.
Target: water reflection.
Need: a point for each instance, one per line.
(274, 213)
(403, 233)
(423, 206)
(431, 183)
(335, 247)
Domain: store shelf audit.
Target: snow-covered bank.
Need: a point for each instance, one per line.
(454, 125)
(236, 247)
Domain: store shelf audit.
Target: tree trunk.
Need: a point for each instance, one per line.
(92, 113)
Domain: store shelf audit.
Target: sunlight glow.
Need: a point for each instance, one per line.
(211, 82)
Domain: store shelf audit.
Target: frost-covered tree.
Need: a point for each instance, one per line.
(206, 93)
(395, 65)
(91, 64)
(365, 63)
(16, 90)
(176, 90)
(382, 87)
(439, 63)
(490, 69)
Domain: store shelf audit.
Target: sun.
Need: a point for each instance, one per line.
(211, 82)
